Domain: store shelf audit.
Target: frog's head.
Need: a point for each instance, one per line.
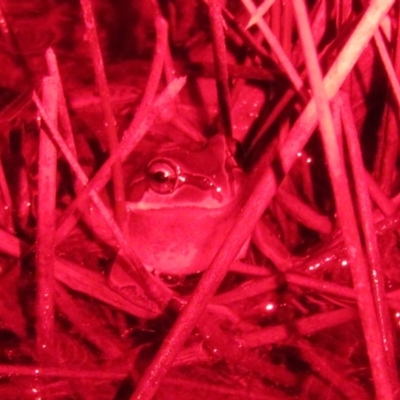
(171, 175)
(181, 197)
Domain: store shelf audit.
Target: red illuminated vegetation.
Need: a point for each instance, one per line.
(310, 93)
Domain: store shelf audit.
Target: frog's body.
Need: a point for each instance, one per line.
(181, 198)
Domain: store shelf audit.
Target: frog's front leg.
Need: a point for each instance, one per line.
(127, 278)
(122, 281)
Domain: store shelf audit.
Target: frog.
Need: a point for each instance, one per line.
(181, 198)
(182, 195)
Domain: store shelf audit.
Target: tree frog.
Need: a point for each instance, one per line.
(181, 195)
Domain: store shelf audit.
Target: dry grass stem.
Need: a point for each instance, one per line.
(305, 326)
(276, 48)
(46, 229)
(259, 13)
(368, 230)
(220, 63)
(109, 119)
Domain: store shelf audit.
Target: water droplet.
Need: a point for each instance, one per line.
(269, 306)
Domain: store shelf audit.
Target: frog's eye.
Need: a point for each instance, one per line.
(162, 176)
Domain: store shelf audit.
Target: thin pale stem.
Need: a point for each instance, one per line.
(331, 373)
(276, 48)
(369, 232)
(259, 13)
(303, 213)
(385, 161)
(265, 285)
(6, 200)
(387, 63)
(304, 326)
(47, 187)
(271, 246)
(387, 207)
(245, 36)
(109, 119)
(156, 69)
(220, 64)
(65, 120)
(59, 372)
